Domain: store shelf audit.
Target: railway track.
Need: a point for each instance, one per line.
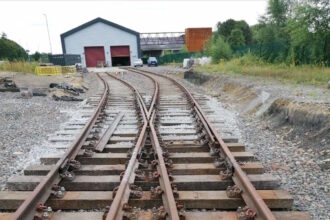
(149, 151)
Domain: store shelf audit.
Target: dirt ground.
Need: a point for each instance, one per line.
(27, 80)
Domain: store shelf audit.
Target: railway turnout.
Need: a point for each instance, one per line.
(150, 150)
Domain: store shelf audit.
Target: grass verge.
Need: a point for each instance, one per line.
(252, 66)
(20, 66)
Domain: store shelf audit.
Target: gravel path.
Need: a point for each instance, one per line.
(297, 168)
(146, 88)
(24, 126)
(26, 123)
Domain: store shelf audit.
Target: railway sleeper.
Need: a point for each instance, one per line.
(109, 182)
(275, 199)
(117, 158)
(176, 169)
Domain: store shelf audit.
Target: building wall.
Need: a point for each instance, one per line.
(195, 38)
(100, 34)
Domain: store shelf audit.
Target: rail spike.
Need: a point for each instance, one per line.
(233, 192)
(43, 212)
(74, 165)
(161, 213)
(67, 175)
(226, 175)
(58, 191)
(246, 213)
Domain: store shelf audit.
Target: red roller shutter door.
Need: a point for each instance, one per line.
(94, 55)
(119, 51)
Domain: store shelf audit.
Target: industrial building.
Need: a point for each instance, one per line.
(102, 43)
(195, 38)
(154, 44)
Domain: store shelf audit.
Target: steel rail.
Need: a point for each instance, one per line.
(41, 193)
(115, 211)
(123, 192)
(249, 193)
(168, 197)
(155, 94)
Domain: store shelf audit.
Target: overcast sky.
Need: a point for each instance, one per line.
(24, 22)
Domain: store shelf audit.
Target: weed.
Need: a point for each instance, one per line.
(253, 66)
(18, 66)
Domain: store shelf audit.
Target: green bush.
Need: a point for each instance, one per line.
(220, 50)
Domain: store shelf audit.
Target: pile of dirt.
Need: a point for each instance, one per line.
(293, 114)
(308, 124)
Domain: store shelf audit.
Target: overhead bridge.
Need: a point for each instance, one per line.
(155, 43)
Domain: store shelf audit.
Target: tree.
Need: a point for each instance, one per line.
(184, 49)
(11, 50)
(220, 50)
(277, 11)
(225, 29)
(236, 38)
(36, 56)
(309, 33)
(207, 47)
(246, 30)
(291, 31)
(4, 35)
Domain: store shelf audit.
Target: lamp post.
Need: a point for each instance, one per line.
(50, 44)
(28, 51)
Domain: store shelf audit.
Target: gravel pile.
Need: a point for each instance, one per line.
(26, 123)
(296, 168)
(24, 126)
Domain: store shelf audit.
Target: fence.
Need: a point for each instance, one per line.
(54, 70)
(64, 59)
(266, 50)
(177, 57)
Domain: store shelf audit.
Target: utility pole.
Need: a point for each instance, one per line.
(50, 44)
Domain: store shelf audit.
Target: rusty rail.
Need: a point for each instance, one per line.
(168, 197)
(41, 193)
(249, 193)
(122, 194)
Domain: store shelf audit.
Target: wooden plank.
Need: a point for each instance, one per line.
(178, 169)
(28, 183)
(275, 199)
(193, 215)
(40, 170)
(205, 157)
(236, 147)
(121, 158)
(209, 168)
(96, 159)
(109, 132)
(214, 182)
(122, 147)
(233, 215)
(108, 182)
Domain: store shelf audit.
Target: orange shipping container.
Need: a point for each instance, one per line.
(195, 38)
